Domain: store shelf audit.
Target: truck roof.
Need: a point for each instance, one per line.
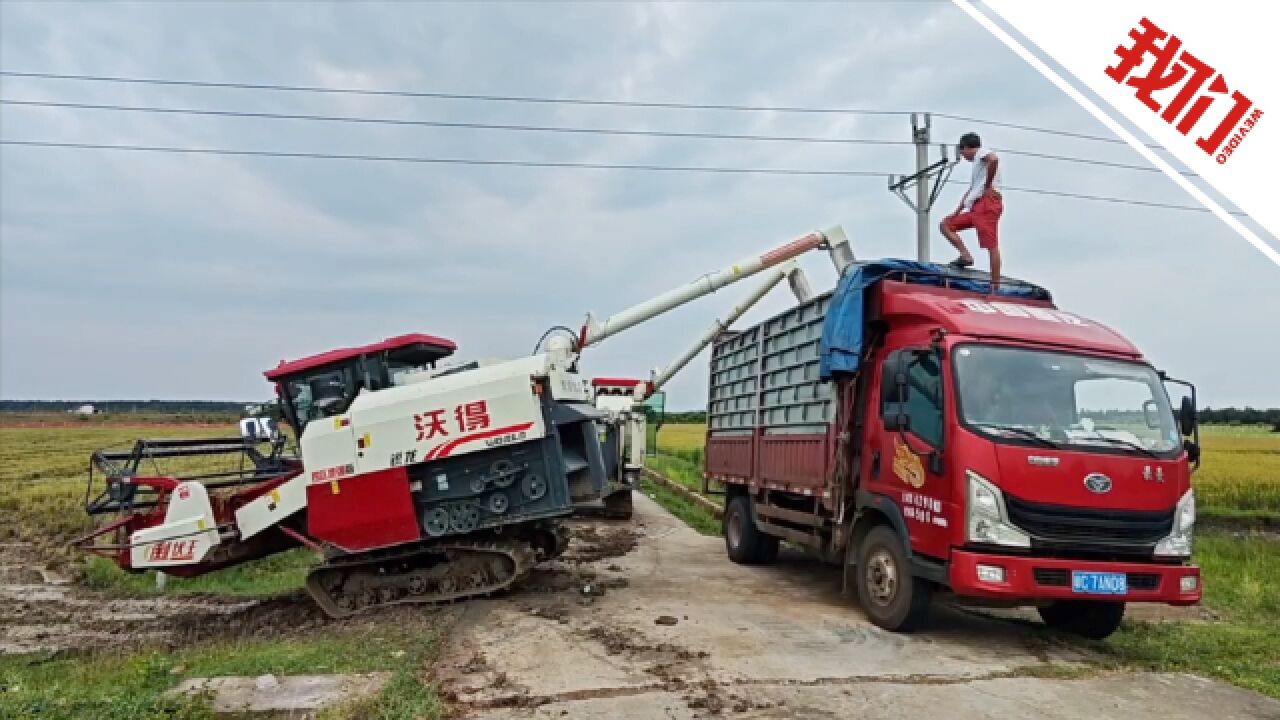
(928, 295)
(1006, 318)
(430, 347)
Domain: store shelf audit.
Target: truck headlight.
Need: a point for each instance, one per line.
(1178, 543)
(985, 518)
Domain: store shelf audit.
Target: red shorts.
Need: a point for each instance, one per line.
(983, 217)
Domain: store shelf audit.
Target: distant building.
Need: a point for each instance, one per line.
(83, 410)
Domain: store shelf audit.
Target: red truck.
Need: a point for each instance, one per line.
(930, 436)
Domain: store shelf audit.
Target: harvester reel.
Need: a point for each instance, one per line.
(533, 486)
(498, 503)
(436, 521)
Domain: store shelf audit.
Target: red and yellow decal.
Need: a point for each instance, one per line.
(907, 465)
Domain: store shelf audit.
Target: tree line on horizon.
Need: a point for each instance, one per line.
(1208, 415)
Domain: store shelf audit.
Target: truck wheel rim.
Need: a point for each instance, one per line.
(735, 529)
(882, 577)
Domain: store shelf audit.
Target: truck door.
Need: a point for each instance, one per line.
(906, 462)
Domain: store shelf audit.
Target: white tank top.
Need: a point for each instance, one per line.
(979, 181)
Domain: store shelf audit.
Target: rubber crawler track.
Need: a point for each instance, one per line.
(442, 572)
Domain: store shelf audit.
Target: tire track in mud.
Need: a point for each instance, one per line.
(41, 610)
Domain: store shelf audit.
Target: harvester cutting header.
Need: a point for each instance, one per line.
(418, 482)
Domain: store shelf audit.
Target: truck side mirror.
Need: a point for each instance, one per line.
(896, 417)
(1187, 416)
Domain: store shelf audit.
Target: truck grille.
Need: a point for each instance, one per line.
(1059, 577)
(1058, 524)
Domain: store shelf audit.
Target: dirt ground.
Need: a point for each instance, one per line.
(41, 610)
(649, 620)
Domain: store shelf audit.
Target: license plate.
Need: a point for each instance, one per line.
(1099, 583)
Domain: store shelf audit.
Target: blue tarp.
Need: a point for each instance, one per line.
(841, 346)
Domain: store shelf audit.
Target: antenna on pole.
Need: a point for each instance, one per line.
(927, 180)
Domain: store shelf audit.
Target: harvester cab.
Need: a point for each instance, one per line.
(324, 385)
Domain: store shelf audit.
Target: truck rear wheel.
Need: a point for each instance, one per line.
(891, 596)
(744, 542)
(1095, 619)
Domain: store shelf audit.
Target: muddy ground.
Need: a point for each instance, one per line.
(647, 619)
(42, 609)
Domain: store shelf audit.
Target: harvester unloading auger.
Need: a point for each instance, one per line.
(417, 483)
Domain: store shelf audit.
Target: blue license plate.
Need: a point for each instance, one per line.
(1099, 583)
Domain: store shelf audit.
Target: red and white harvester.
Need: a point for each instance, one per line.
(417, 482)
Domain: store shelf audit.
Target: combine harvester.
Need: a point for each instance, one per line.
(418, 483)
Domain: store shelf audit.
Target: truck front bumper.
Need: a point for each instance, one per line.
(1032, 578)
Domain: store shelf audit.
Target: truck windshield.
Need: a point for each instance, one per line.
(1060, 399)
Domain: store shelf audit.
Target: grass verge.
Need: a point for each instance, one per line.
(679, 470)
(695, 516)
(1242, 584)
(272, 575)
(133, 686)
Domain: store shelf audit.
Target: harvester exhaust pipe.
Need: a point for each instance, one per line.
(833, 238)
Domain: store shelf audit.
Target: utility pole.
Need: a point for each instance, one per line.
(920, 136)
(926, 192)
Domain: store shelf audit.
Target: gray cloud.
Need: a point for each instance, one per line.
(136, 275)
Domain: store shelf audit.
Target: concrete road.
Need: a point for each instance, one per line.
(681, 632)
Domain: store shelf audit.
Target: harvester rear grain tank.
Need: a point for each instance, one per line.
(417, 482)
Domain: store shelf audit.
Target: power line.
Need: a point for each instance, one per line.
(537, 128)
(540, 100)
(450, 161)
(1033, 128)
(454, 124)
(554, 164)
(1103, 198)
(448, 96)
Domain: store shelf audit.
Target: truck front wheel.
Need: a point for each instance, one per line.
(891, 596)
(1095, 619)
(744, 542)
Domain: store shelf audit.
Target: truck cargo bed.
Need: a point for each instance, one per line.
(769, 417)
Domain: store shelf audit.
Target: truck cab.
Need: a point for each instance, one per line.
(929, 435)
(1032, 453)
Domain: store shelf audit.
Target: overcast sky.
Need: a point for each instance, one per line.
(132, 275)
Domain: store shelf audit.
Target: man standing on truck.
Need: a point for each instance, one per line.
(980, 208)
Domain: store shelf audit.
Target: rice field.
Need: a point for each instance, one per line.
(44, 465)
(1239, 473)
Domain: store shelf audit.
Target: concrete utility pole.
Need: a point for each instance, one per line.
(926, 193)
(920, 136)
